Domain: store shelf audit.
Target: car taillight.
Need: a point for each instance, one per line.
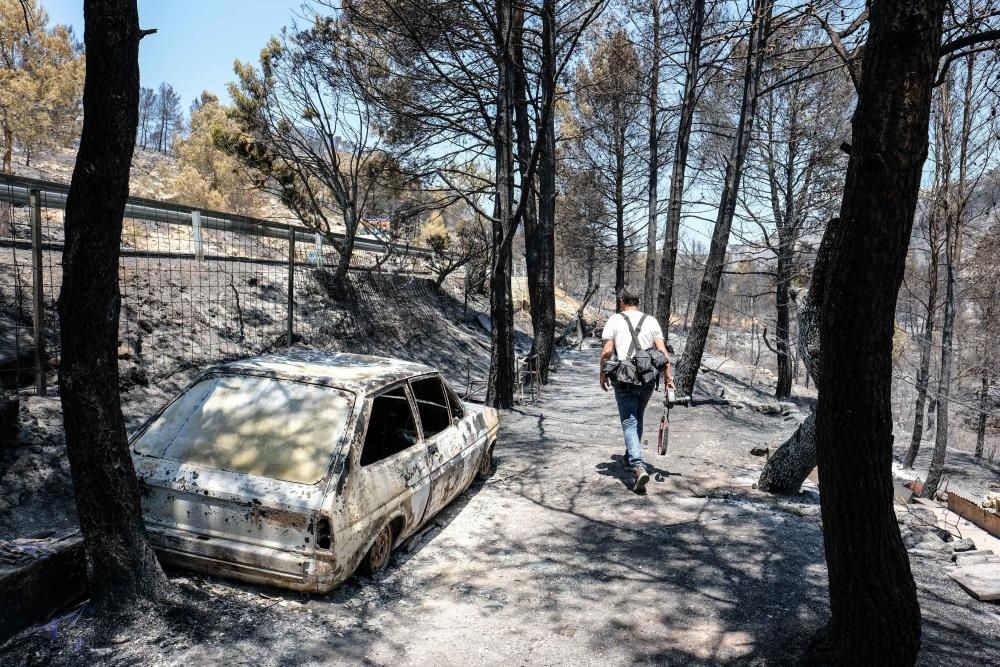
(323, 540)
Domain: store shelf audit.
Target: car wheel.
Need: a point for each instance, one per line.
(378, 555)
(486, 464)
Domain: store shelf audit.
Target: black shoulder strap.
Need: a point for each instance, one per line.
(632, 330)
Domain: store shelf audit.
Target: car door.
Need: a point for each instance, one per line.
(393, 475)
(443, 440)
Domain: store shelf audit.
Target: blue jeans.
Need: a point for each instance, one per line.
(631, 406)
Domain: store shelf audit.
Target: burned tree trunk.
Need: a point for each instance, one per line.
(649, 282)
(984, 395)
(500, 385)
(668, 258)
(792, 462)
(926, 345)
(953, 261)
(687, 369)
(783, 389)
(539, 221)
(545, 292)
(875, 615)
(121, 566)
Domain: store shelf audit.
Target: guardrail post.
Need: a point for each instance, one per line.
(291, 286)
(37, 290)
(199, 252)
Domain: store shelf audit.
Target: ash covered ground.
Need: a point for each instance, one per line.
(552, 560)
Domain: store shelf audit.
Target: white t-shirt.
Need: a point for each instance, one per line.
(617, 330)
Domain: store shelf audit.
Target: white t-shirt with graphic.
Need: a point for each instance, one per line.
(617, 330)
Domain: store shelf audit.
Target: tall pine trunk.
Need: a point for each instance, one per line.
(545, 292)
(953, 260)
(649, 283)
(875, 615)
(984, 394)
(121, 565)
(619, 197)
(783, 389)
(687, 369)
(926, 344)
(668, 258)
(501, 381)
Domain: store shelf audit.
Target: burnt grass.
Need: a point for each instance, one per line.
(553, 560)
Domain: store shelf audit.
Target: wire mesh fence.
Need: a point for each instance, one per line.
(197, 287)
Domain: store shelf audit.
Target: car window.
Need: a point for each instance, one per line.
(391, 427)
(260, 426)
(457, 411)
(432, 405)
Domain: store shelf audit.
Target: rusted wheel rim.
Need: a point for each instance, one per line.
(379, 554)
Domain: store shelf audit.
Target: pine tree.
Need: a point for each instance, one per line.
(41, 81)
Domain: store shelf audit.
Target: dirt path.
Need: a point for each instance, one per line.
(554, 561)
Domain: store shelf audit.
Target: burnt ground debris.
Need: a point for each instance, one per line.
(552, 560)
(393, 316)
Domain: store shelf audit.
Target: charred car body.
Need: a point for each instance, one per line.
(296, 469)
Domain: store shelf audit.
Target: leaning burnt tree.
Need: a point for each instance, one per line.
(791, 463)
(687, 369)
(121, 566)
(875, 616)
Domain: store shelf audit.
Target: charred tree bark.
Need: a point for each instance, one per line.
(539, 222)
(500, 385)
(687, 369)
(926, 344)
(649, 284)
(875, 615)
(953, 259)
(792, 462)
(984, 394)
(668, 257)
(936, 470)
(783, 389)
(619, 185)
(121, 566)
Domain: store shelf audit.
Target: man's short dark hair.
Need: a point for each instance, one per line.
(629, 296)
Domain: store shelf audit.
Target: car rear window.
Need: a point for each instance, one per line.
(259, 426)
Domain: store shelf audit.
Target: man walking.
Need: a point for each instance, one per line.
(632, 399)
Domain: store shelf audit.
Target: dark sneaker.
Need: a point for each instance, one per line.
(627, 462)
(641, 479)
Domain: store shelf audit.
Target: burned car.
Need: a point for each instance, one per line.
(297, 469)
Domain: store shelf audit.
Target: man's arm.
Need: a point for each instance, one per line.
(606, 352)
(668, 377)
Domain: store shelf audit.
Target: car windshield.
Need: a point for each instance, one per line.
(259, 426)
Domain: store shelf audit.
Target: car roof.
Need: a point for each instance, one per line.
(359, 373)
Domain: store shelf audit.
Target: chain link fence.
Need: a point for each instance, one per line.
(197, 287)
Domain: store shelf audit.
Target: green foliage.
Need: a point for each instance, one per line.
(209, 177)
(41, 80)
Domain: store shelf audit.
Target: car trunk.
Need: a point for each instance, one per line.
(233, 474)
(245, 521)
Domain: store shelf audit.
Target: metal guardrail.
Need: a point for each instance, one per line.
(17, 190)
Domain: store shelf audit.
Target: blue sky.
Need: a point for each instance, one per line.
(196, 41)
